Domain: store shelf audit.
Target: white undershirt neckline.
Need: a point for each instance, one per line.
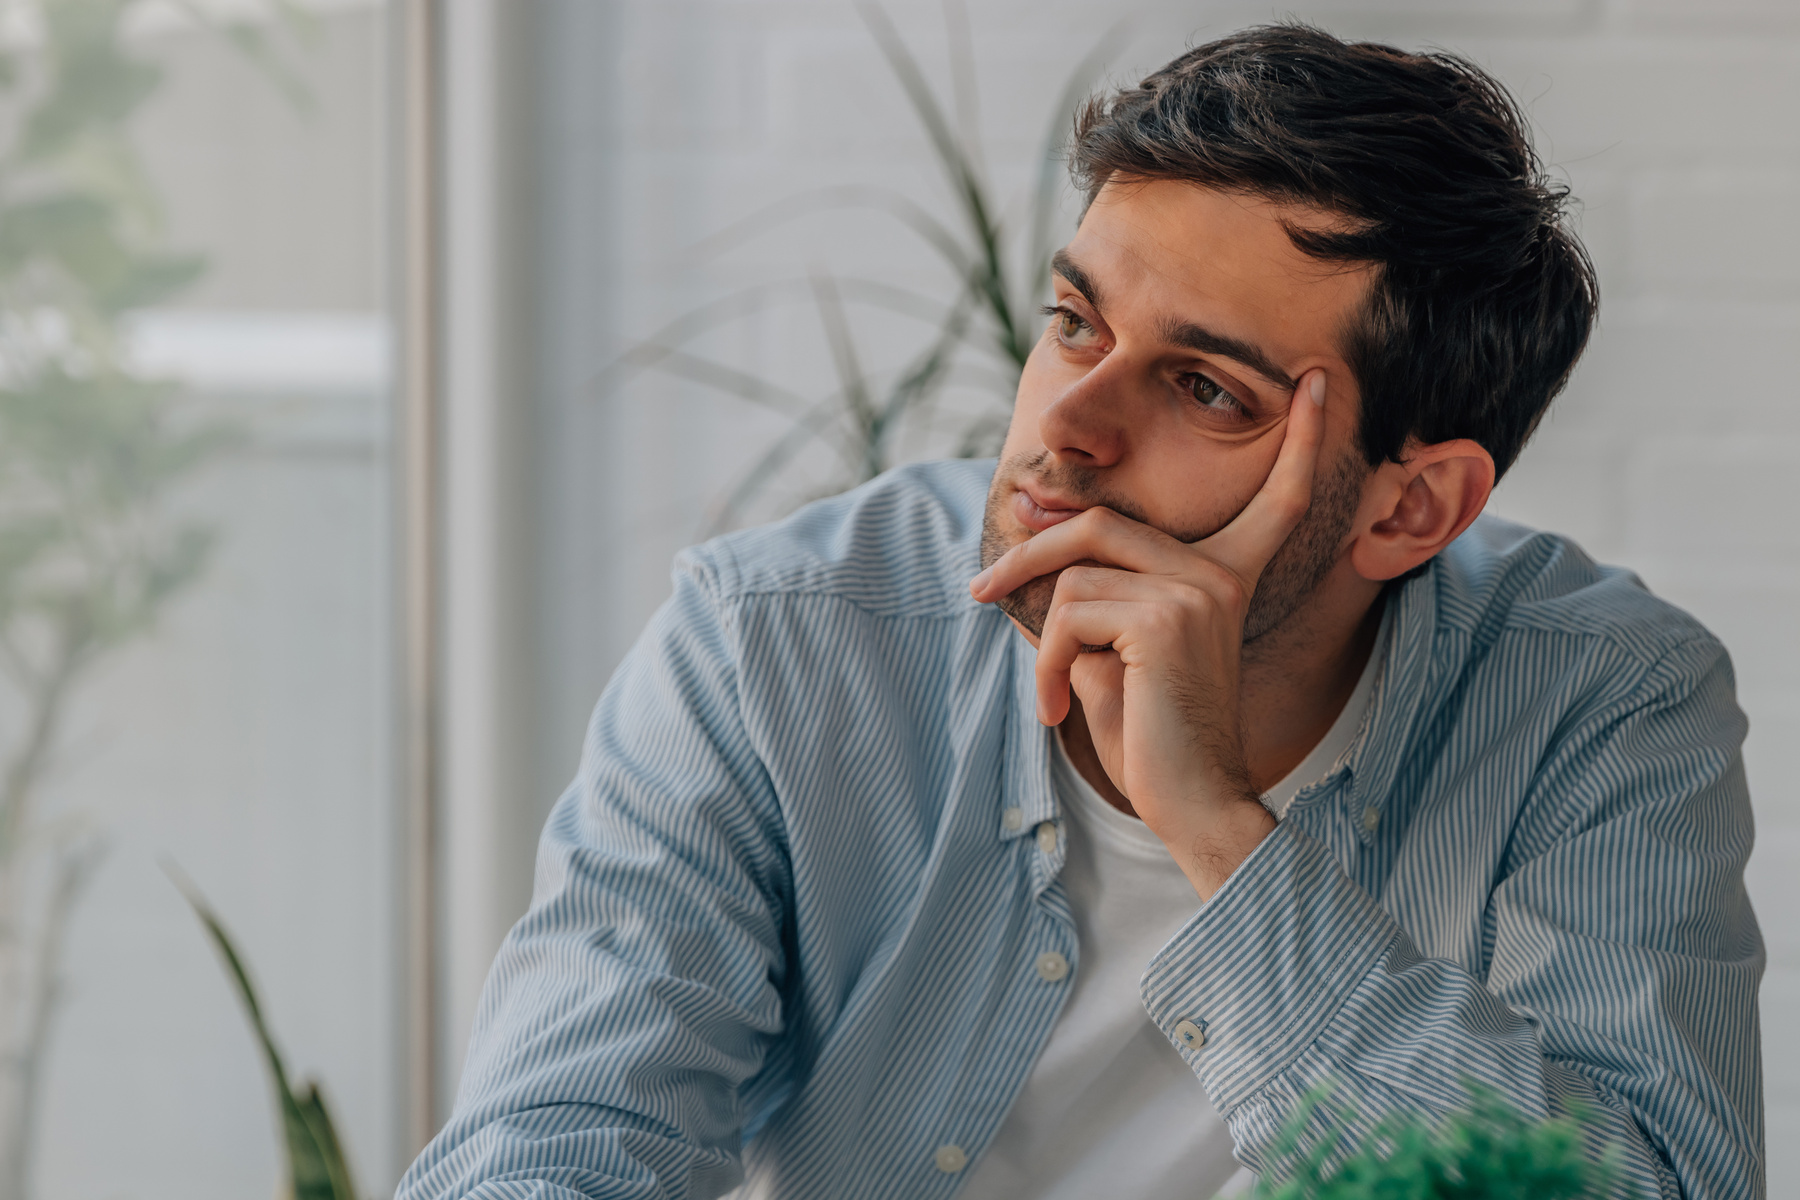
(1109, 1097)
(1334, 748)
(1109, 1107)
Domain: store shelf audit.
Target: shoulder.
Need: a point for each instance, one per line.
(1538, 602)
(905, 543)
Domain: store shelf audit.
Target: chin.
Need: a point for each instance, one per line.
(1000, 532)
(1029, 604)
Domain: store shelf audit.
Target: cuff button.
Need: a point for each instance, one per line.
(1190, 1035)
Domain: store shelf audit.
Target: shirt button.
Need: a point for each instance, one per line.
(1013, 819)
(1190, 1035)
(1051, 966)
(1371, 818)
(1046, 837)
(950, 1159)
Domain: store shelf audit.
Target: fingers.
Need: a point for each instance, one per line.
(1246, 545)
(1096, 607)
(1097, 535)
(1070, 629)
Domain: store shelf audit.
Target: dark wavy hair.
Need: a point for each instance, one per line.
(1483, 298)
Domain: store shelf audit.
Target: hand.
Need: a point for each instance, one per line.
(1148, 630)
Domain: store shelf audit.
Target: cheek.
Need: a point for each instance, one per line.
(1207, 485)
(1037, 389)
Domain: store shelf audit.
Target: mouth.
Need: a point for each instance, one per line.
(1037, 511)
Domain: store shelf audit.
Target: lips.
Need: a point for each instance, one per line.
(1036, 513)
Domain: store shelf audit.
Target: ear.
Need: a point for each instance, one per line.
(1414, 508)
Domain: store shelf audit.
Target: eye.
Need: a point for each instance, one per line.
(1072, 329)
(1213, 398)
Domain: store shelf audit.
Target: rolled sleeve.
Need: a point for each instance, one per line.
(1266, 964)
(1617, 978)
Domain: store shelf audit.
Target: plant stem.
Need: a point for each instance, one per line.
(74, 871)
(28, 984)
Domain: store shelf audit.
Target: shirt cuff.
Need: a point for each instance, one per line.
(1247, 984)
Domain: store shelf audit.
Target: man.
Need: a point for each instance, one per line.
(1250, 761)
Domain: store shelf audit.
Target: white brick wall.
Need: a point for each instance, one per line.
(1674, 451)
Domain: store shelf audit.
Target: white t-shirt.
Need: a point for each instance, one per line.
(1111, 1108)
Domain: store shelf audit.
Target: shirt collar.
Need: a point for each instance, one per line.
(1375, 760)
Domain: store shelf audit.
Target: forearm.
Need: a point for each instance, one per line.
(628, 1007)
(565, 1152)
(1298, 979)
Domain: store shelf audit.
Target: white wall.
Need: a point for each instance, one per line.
(1673, 451)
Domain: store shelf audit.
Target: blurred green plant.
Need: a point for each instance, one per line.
(91, 453)
(316, 1166)
(1000, 272)
(1487, 1151)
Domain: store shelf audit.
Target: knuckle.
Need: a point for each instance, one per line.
(1087, 577)
(1194, 599)
(1167, 619)
(1233, 592)
(1057, 623)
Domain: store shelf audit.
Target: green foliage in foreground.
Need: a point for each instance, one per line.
(317, 1168)
(1486, 1152)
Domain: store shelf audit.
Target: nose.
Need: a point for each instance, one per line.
(1086, 425)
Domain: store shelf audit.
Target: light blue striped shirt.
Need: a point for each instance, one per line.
(787, 916)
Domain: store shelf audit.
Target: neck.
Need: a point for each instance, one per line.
(1295, 681)
(1297, 677)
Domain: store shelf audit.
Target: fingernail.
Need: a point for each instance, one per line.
(981, 581)
(1318, 390)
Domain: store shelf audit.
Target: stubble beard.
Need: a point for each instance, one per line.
(1290, 579)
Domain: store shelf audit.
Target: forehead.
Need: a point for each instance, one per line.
(1162, 250)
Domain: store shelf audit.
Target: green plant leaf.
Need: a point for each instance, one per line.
(93, 85)
(252, 38)
(152, 278)
(853, 382)
(1051, 175)
(988, 271)
(872, 417)
(762, 473)
(1487, 1151)
(74, 229)
(317, 1168)
(649, 353)
(929, 229)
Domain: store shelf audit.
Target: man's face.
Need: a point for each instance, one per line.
(1160, 388)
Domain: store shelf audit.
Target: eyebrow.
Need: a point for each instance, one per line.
(1185, 334)
(1080, 280)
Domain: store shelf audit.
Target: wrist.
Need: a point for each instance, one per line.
(1209, 842)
